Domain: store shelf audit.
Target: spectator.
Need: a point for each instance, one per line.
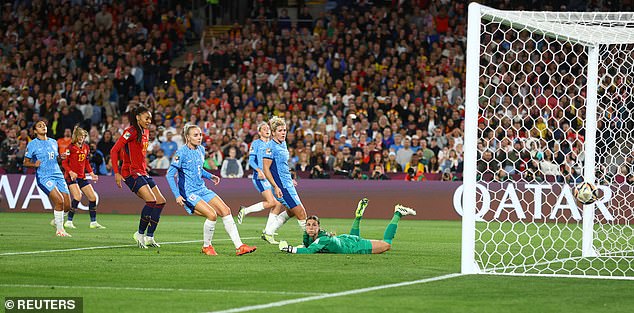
(169, 147)
(404, 154)
(64, 142)
(161, 162)
(231, 167)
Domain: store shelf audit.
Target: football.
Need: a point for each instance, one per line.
(586, 193)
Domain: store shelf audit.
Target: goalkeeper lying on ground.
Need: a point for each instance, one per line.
(319, 241)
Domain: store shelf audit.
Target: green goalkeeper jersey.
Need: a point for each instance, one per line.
(342, 244)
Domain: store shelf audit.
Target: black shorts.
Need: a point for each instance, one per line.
(82, 182)
(136, 182)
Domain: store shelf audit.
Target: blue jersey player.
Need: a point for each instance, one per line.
(256, 155)
(190, 191)
(278, 173)
(41, 154)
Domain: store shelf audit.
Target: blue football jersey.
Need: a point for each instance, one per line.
(46, 152)
(189, 165)
(258, 147)
(278, 152)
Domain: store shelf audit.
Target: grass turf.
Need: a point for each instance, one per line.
(177, 278)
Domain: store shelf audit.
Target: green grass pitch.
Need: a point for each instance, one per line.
(177, 278)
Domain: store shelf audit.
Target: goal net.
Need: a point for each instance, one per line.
(549, 105)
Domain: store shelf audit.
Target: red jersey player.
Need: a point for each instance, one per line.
(134, 143)
(76, 165)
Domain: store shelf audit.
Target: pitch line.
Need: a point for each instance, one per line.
(108, 247)
(336, 294)
(161, 289)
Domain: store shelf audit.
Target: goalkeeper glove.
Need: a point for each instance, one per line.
(284, 246)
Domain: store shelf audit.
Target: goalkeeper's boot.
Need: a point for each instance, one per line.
(244, 249)
(241, 215)
(69, 224)
(269, 238)
(140, 241)
(96, 225)
(404, 210)
(209, 250)
(62, 233)
(363, 203)
(149, 242)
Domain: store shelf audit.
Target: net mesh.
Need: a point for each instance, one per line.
(531, 142)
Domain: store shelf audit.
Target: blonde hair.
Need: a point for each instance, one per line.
(276, 122)
(261, 125)
(186, 130)
(78, 132)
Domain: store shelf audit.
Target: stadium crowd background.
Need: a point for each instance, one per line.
(368, 91)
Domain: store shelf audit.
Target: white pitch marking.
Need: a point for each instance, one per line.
(336, 294)
(108, 247)
(160, 289)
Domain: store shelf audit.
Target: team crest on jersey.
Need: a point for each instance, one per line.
(176, 159)
(126, 135)
(268, 151)
(251, 150)
(49, 184)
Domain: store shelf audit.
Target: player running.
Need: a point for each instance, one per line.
(76, 165)
(278, 174)
(41, 154)
(256, 154)
(319, 241)
(192, 193)
(134, 143)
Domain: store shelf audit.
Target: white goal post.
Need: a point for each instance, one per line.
(549, 104)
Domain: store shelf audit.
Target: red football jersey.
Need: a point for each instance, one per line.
(77, 161)
(133, 153)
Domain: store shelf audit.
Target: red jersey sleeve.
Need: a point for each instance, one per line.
(87, 168)
(128, 135)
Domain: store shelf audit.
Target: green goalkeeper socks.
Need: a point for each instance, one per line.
(390, 230)
(355, 227)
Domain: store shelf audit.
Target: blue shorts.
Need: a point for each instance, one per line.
(289, 198)
(82, 182)
(136, 183)
(47, 184)
(193, 198)
(261, 185)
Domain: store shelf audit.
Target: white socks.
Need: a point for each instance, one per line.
(59, 220)
(232, 230)
(254, 208)
(276, 221)
(271, 224)
(208, 232)
(302, 224)
(283, 217)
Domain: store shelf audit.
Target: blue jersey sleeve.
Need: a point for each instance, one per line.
(175, 166)
(30, 151)
(171, 180)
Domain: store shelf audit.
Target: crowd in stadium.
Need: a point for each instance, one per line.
(368, 92)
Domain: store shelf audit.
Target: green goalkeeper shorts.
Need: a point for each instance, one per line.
(364, 246)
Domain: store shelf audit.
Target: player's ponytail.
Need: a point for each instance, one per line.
(132, 116)
(78, 132)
